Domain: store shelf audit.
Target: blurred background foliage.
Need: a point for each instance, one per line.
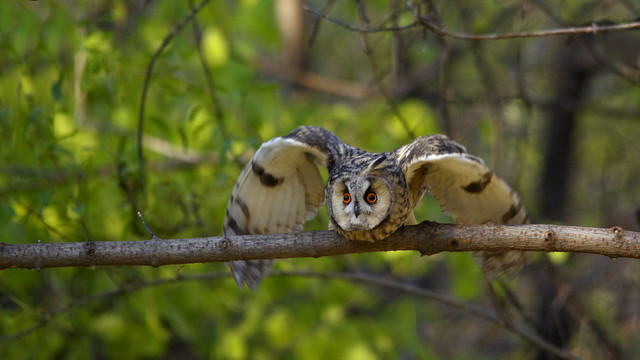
(556, 116)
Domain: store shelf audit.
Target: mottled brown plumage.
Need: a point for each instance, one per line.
(369, 195)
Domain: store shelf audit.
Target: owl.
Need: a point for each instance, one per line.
(368, 195)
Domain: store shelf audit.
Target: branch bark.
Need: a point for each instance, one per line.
(427, 238)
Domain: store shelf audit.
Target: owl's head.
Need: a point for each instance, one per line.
(360, 201)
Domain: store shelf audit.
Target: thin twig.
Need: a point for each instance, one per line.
(368, 51)
(357, 29)
(621, 71)
(211, 86)
(426, 21)
(107, 295)
(415, 290)
(594, 28)
(145, 87)
(357, 278)
(443, 90)
(153, 236)
(316, 24)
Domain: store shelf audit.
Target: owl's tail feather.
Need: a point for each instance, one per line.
(250, 272)
(503, 262)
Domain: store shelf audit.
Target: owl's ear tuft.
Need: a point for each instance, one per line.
(378, 161)
(375, 164)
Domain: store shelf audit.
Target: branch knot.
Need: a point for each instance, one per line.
(617, 232)
(550, 236)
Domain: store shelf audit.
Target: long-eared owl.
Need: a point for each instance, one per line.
(368, 195)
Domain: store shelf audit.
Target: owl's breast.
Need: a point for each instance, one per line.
(380, 232)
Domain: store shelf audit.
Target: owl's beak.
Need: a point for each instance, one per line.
(356, 209)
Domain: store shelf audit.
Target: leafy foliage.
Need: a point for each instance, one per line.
(72, 79)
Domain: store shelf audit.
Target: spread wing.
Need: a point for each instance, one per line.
(278, 190)
(465, 188)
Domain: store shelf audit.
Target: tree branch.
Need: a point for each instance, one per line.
(433, 25)
(347, 26)
(428, 238)
(592, 29)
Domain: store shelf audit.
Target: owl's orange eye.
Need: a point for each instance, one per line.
(371, 197)
(346, 198)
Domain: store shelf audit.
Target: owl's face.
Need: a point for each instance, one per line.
(359, 202)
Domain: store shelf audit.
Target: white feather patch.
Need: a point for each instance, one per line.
(276, 192)
(468, 190)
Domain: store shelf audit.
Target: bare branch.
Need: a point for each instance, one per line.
(622, 71)
(429, 23)
(357, 29)
(427, 238)
(208, 77)
(594, 28)
(444, 91)
(368, 51)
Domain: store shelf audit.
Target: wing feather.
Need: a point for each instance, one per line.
(275, 193)
(469, 190)
(299, 217)
(465, 188)
(311, 179)
(461, 183)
